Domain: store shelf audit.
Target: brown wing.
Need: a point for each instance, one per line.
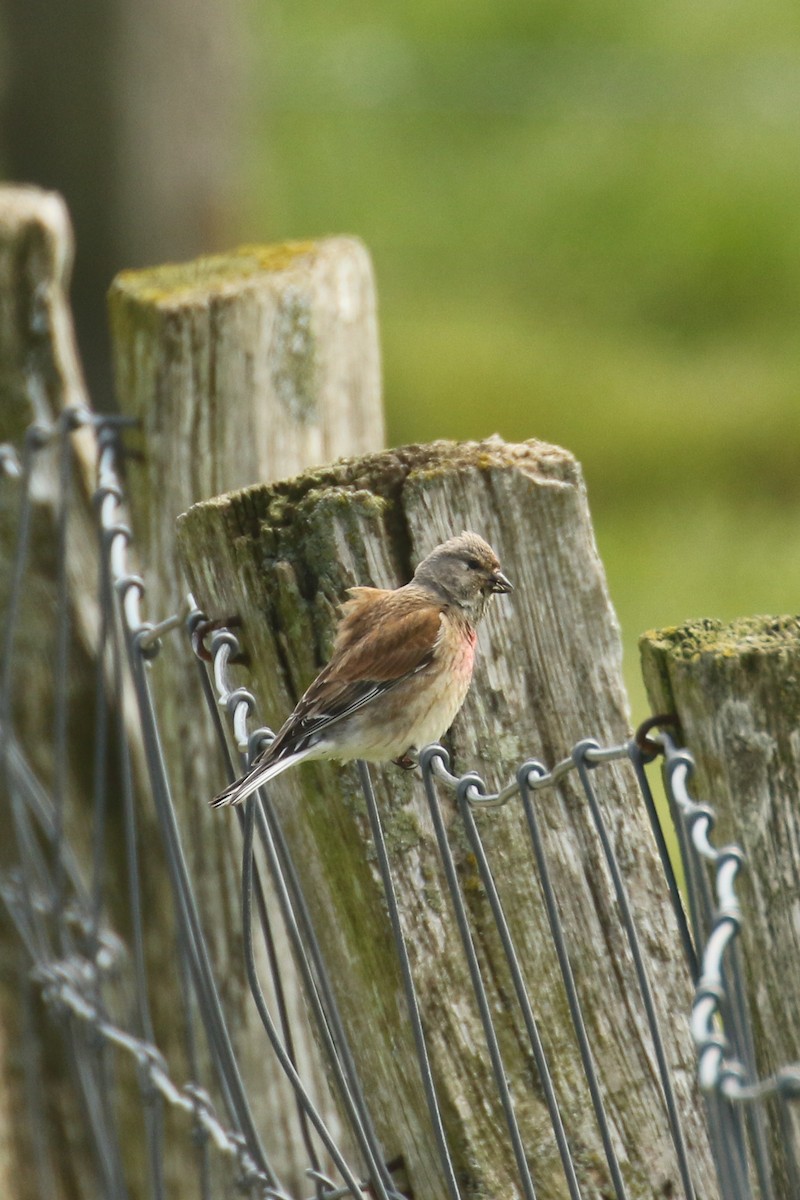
(384, 635)
(383, 638)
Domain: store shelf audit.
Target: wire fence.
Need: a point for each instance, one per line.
(72, 958)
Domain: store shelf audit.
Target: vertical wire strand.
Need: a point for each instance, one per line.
(744, 1048)
(523, 999)
(642, 977)
(284, 1022)
(700, 915)
(263, 914)
(35, 439)
(788, 1141)
(736, 1138)
(91, 1067)
(568, 977)
(723, 1150)
(100, 745)
(731, 1148)
(29, 851)
(61, 655)
(638, 761)
(98, 1112)
(154, 1110)
(32, 883)
(200, 1134)
(319, 993)
(288, 1066)
(202, 975)
(191, 1007)
(190, 932)
(498, 1069)
(412, 1004)
(34, 1090)
(310, 963)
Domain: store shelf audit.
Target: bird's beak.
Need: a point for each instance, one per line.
(500, 583)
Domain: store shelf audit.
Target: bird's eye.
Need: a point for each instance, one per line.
(473, 564)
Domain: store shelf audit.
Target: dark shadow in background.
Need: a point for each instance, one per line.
(133, 112)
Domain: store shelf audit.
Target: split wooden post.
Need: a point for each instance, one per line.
(40, 374)
(281, 557)
(736, 691)
(241, 367)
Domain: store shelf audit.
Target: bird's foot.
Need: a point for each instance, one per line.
(407, 761)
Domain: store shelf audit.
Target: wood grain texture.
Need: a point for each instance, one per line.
(40, 374)
(241, 367)
(39, 377)
(736, 690)
(548, 674)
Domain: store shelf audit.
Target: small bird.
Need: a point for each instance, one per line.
(400, 670)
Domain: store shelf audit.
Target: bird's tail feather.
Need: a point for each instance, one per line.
(259, 773)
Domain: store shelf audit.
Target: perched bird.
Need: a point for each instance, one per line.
(400, 671)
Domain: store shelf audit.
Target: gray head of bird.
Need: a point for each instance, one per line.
(464, 571)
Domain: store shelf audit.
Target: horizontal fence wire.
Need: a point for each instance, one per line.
(73, 956)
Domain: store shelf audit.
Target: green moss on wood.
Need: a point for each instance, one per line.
(175, 283)
(301, 578)
(710, 660)
(289, 518)
(747, 635)
(332, 816)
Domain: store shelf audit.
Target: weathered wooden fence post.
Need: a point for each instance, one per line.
(281, 557)
(736, 691)
(39, 377)
(243, 367)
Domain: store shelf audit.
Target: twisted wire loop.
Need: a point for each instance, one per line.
(720, 1022)
(75, 960)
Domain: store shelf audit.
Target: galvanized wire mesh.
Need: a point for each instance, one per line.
(70, 952)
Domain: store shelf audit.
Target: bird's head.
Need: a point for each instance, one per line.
(465, 571)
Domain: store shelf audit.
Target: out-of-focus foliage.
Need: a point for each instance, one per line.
(585, 220)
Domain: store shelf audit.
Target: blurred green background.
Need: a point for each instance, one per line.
(585, 221)
(584, 218)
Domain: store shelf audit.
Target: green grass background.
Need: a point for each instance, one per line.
(585, 222)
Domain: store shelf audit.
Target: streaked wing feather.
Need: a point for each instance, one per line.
(384, 638)
(383, 635)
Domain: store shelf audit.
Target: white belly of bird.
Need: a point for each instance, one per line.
(412, 717)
